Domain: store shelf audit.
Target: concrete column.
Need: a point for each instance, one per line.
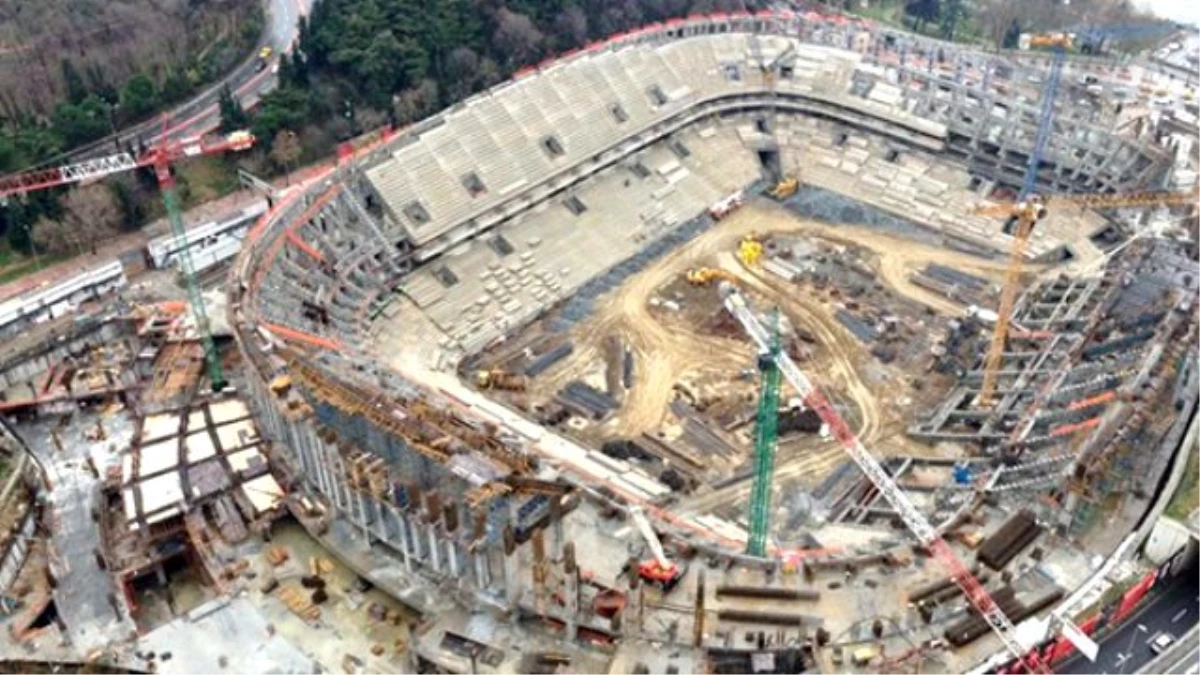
(512, 576)
(435, 558)
(452, 558)
(402, 537)
(481, 572)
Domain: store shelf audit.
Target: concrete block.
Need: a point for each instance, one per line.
(849, 167)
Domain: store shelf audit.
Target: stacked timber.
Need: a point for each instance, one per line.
(1013, 536)
(974, 626)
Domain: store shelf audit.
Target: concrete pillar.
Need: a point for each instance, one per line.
(452, 558)
(481, 575)
(570, 590)
(435, 559)
(402, 539)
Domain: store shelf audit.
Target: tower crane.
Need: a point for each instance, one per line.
(1028, 208)
(1025, 214)
(765, 426)
(922, 530)
(159, 157)
(1030, 204)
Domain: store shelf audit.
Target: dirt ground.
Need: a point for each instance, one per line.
(666, 350)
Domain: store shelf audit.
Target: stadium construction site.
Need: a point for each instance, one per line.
(494, 402)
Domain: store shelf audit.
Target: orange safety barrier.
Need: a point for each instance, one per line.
(1078, 426)
(1092, 401)
(301, 336)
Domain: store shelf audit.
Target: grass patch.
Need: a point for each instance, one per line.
(204, 179)
(1187, 495)
(26, 266)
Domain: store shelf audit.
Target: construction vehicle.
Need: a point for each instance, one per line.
(659, 570)
(264, 58)
(503, 380)
(160, 157)
(725, 206)
(921, 529)
(749, 250)
(784, 188)
(700, 276)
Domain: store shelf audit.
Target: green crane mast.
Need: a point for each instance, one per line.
(162, 170)
(766, 424)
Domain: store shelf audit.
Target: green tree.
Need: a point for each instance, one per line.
(1012, 37)
(80, 124)
(175, 86)
(923, 11)
(138, 97)
(73, 83)
(283, 108)
(233, 116)
(952, 12)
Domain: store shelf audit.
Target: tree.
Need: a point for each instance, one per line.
(283, 108)
(175, 86)
(571, 27)
(90, 214)
(416, 103)
(997, 17)
(516, 37)
(138, 98)
(82, 123)
(233, 116)
(952, 12)
(75, 88)
(923, 11)
(285, 150)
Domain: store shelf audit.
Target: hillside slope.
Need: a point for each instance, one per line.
(108, 41)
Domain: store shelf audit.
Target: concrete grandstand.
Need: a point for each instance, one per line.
(356, 301)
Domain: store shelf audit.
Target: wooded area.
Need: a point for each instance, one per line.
(364, 62)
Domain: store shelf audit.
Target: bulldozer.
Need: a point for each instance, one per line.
(784, 188)
(500, 379)
(702, 275)
(750, 250)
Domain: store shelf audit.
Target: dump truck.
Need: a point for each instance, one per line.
(500, 379)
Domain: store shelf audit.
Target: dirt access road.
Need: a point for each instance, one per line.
(664, 353)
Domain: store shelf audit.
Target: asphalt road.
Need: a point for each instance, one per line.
(200, 114)
(1187, 664)
(1174, 609)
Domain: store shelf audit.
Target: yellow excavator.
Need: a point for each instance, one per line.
(702, 275)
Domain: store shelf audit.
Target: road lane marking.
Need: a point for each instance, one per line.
(1179, 615)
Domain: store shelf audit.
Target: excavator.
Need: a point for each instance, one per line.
(700, 276)
(659, 570)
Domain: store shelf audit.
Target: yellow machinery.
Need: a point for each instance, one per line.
(500, 379)
(784, 188)
(749, 250)
(702, 275)
(1026, 214)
